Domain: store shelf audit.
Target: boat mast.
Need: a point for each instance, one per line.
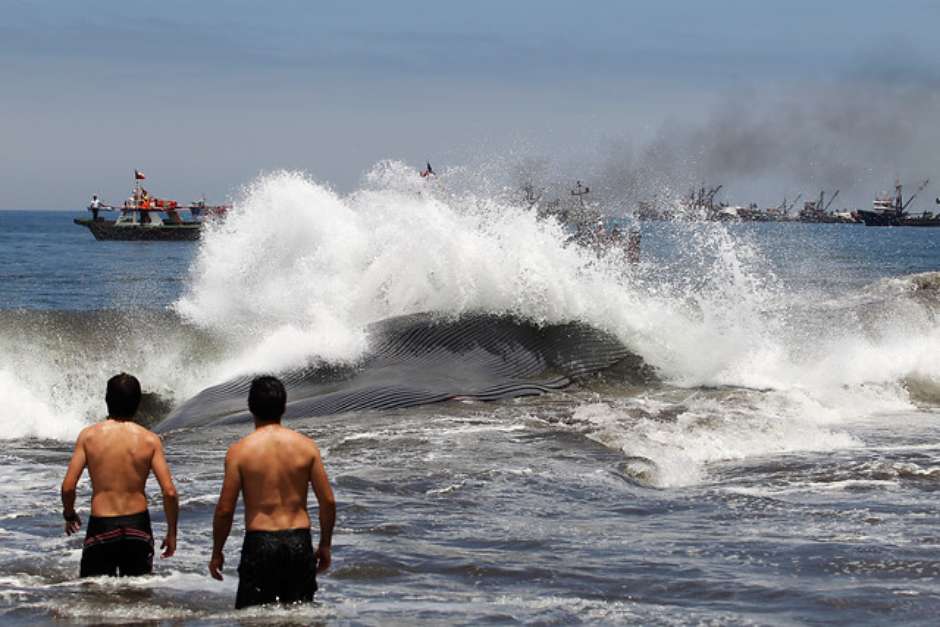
(898, 197)
(580, 192)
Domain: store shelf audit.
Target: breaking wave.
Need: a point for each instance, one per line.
(301, 271)
(297, 273)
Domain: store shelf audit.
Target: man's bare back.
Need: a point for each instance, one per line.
(276, 465)
(119, 455)
(273, 467)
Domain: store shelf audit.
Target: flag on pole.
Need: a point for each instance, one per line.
(138, 175)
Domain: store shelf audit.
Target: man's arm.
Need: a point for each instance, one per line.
(327, 504)
(171, 501)
(75, 469)
(224, 513)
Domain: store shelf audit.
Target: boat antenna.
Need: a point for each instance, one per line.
(580, 192)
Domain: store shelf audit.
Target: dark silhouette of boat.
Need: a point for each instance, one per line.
(817, 211)
(892, 211)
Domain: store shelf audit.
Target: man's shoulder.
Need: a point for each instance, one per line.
(284, 436)
(308, 446)
(236, 447)
(299, 439)
(140, 431)
(151, 437)
(90, 431)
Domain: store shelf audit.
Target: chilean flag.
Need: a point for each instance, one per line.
(138, 175)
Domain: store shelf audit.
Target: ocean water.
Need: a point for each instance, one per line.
(781, 466)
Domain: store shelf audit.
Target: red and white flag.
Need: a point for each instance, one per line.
(138, 175)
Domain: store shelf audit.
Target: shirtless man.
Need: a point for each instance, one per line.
(120, 455)
(272, 467)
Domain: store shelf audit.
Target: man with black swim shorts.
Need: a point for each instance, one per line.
(119, 455)
(272, 467)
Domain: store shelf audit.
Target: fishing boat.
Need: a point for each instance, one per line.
(144, 217)
(817, 211)
(892, 210)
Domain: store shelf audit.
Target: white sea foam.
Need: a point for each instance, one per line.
(707, 430)
(296, 273)
(55, 385)
(320, 267)
(25, 415)
(293, 252)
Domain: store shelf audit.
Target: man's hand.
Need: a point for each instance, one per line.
(168, 546)
(72, 523)
(76, 467)
(215, 565)
(323, 559)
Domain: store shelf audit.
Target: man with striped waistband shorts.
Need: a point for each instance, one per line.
(120, 456)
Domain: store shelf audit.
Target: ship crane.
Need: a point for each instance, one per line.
(821, 205)
(710, 197)
(786, 206)
(795, 200)
(913, 196)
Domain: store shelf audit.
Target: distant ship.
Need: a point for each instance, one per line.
(818, 211)
(585, 223)
(143, 217)
(892, 211)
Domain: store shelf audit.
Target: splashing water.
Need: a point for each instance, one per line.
(296, 272)
(299, 270)
(713, 313)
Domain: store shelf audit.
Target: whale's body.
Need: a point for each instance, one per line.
(419, 359)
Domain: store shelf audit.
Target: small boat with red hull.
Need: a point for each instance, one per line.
(146, 218)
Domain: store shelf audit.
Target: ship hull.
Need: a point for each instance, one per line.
(828, 219)
(875, 218)
(108, 230)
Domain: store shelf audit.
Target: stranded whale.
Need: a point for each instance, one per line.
(420, 359)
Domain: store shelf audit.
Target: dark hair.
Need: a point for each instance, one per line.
(267, 398)
(123, 395)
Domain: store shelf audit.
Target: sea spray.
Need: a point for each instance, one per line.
(25, 415)
(297, 272)
(298, 261)
(294, 253)
(54, 365)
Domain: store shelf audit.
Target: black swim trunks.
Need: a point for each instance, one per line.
(118, 545)
(276, 566)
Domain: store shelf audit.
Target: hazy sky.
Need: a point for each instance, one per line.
(202, 96)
